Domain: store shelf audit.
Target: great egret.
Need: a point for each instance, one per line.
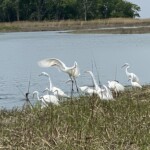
(116, 87)
(43, 103)
(88, 90)
(97, 89)
(85, 89)
(55, 90)
(130, 75)
(106, 93)
(135, 84)
(103, 93)
(47, 98)
(73, 71)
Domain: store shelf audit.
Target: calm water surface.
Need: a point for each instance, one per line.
(20, 52)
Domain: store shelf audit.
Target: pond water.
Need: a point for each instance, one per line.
(20, 52)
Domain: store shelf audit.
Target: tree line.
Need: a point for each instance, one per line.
(38, 10)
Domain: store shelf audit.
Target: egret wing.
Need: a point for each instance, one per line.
(49, 62)
(135, 78)
(119, 87)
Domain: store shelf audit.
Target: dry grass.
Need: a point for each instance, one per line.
(71, 24)
(85, 123)
(119, 30)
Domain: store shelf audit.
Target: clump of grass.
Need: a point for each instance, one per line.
(86, 123)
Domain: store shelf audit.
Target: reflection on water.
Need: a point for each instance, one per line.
(21, 51)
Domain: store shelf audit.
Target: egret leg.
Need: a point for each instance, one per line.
(72, 85)
(116, 94)
(76, 85)
(72, 90)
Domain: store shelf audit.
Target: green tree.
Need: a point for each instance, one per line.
(15, 10)
(8, 10)
(86, 9)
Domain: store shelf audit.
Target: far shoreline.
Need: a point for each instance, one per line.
(101, 26)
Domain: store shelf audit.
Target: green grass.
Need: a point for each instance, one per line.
(84, 123)
(9, 28)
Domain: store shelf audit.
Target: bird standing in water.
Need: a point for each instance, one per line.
(73, 71)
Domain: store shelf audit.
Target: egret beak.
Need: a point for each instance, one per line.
(123, 65)
(44, 74)
(116, 81)
(86, 71)
(47, 89)
(44, 91)
(41, 74)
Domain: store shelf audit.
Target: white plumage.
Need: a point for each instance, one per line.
(134, 77)
(73, 71)
(116, 87)
(87, 90)
(45, 99)
(55, 90)
(105, 93)
(135, 84)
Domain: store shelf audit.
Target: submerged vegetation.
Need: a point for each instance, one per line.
(84, 123)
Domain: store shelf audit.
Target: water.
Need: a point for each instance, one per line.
(20, 52)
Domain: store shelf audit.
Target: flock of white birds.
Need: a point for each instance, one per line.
(54, 94)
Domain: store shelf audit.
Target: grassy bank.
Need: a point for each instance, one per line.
(81, 26)
(86, 123)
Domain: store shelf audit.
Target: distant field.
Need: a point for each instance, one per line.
(143, 26)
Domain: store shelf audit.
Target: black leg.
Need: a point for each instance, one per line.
(76, 85)
(72, 90)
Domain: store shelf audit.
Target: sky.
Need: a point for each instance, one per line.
(145, 7)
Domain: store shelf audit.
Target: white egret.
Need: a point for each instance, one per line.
(130, 75)
(43, 103)
(135, 84)
(106, 93)
(116, 87)
(47, 98)
(88, 90)
(73, 71)
(55, 90)
(85, 89)
(51, 98)
(97, 89)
